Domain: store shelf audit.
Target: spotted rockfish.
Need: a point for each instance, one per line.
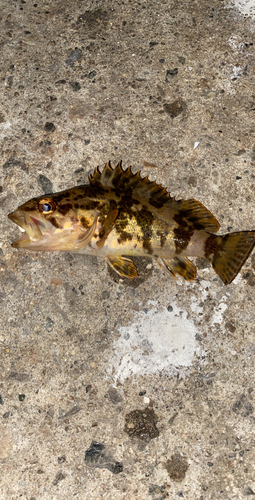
(120, 214)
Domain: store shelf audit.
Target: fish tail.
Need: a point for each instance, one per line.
(228, 253)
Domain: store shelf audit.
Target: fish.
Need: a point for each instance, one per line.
(119, 214)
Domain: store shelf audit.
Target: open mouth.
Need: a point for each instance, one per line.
(28, 224)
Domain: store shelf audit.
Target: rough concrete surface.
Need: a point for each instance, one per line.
(110, 388)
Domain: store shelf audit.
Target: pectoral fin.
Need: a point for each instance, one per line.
(85, 237)
(182, 266)
(122, 266)
(107, 226)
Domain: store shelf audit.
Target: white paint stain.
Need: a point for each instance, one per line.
(245, 7)
(218, 314)
(159, 340)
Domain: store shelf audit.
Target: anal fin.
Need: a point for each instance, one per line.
(122, 266)
(182, 266)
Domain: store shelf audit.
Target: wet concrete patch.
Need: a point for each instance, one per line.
(142, 424)
(177, 467)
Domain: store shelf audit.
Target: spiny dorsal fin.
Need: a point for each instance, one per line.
(154, 196)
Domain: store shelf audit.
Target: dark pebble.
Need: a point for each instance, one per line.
(73, 57)
(170, 309)
(86, 141)
(88, 388)
(210, 464)
(7, 414)
(114, 396)
(21, 397)
(49, 324)
(154, 489)
(242, 406)
(248, 491)
(79, 170)
(75, 86)
(153, 44)
(142, 393)
(105, 294)
(45, 184)
(59, 477)
(97, 456)
(60, 82)
(91, 74)
(61, 459)
(49, 127)
(181, 59)
(161, 61)
(238, 177)
(1, 400)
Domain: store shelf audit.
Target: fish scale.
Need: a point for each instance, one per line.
(119, 215)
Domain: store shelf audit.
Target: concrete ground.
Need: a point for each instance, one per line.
(115, 389)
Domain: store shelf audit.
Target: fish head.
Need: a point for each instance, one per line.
(57, 221)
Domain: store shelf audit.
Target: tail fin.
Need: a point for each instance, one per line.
(228, 253)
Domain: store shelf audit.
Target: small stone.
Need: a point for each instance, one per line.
(61, 459)
(73, 57)
(91, 75)
(45, 184)
(97, 456)
(60, 82)
(21, 397)
(114, 396)
(242, 406)
(7, 414)
(86, 141)
(153, 44)
(49, 127)
(142, 393)
(49, 324)
(1, 400)
(248, 491)
(59, 477)
(105, 294)
(169, 308)
(171, 73)
(181, 59)
(75, 86)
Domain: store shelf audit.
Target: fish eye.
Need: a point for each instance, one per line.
(46, 206)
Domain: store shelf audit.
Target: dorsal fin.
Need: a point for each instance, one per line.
(153, 196)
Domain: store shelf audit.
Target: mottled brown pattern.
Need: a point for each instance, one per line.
(182, 233)
(212, 246)
(65, 208)
(163, 238)
(125, 236)
(156, 203)
(84, 222)
(145, 220)
(54, 222)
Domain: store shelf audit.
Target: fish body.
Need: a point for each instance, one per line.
(119, 215)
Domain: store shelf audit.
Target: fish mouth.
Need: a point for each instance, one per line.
(29, 224)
